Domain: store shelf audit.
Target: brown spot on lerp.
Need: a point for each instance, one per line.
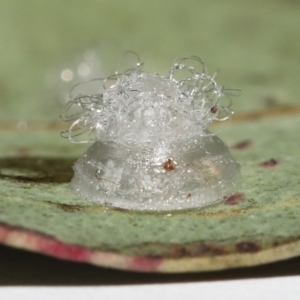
(214, 109)
(169, 165)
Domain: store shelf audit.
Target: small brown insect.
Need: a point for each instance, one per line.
(169, 165)
(189, 195)
(214, 109)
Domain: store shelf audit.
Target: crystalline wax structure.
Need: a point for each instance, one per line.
(152, 149)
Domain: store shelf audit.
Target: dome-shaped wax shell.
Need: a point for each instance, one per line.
(184, 174)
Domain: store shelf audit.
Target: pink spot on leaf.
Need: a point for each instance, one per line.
(48, 245)
(5, 232)
(56, 248)
(234, 199)
(42, 243)
(145, 264)
(242, 145)
(269, 163)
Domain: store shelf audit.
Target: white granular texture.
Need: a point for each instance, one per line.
(152, 150)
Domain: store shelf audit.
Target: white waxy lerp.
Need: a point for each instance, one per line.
(152, 149)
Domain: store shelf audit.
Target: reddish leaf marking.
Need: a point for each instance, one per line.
(56, 248)
(269, 163)
(5, 232)
(45, 244)
(145, 264)
(234, 199)
(242, 145)
(246, 247)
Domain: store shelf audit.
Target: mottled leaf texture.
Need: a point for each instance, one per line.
(257, 223)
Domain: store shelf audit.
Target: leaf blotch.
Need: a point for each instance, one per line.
(242, 145)
(68, 207)
(197, 249)
(234, 199)
(269, 163)
(247, 247)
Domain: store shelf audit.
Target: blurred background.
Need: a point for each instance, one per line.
(47, 46)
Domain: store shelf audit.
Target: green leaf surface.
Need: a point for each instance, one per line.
(256, 46)
(264, 211)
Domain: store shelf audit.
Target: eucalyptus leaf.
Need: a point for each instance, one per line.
(256, 224)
